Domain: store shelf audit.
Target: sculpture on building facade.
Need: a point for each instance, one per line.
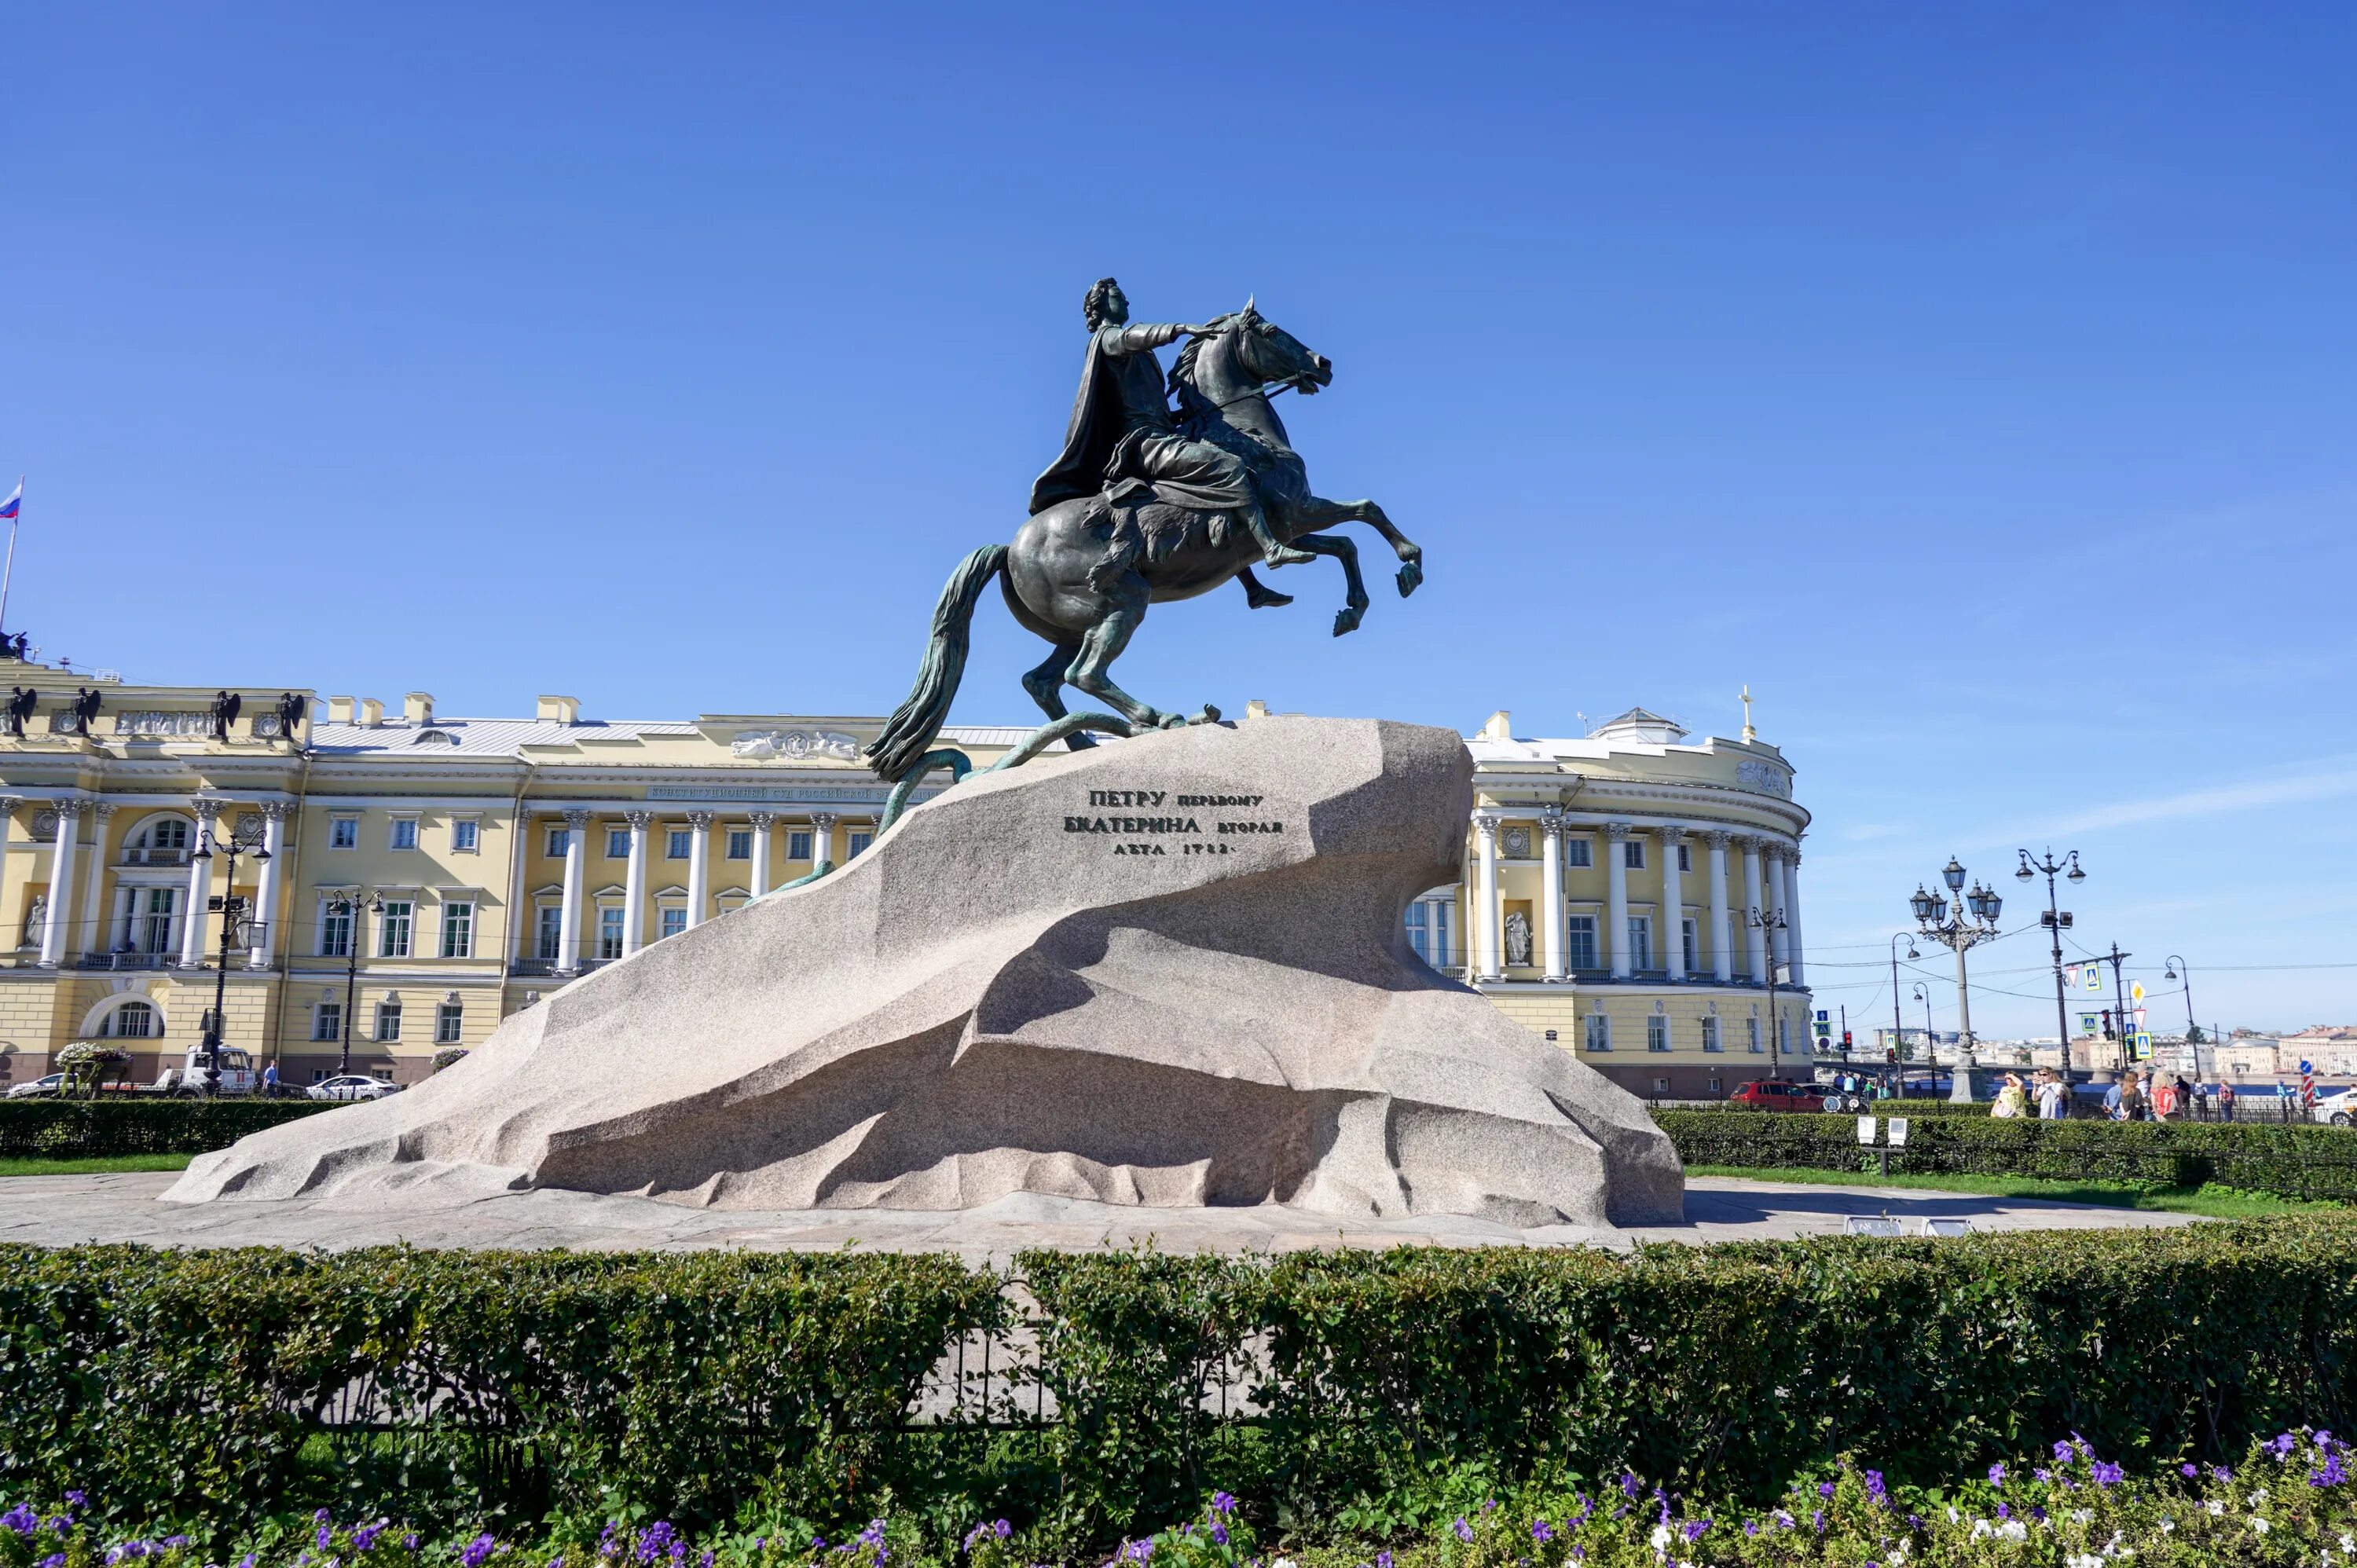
(1518, 940)
(21, 703)
(224, 712)
(1143, 506)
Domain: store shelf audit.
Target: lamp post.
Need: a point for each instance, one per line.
(2057, 920)
(235, 914)
(372, 902)
(2177, 962)
(1898, 1028)
(1973, 923)
(1769, 921)
(1925, 997)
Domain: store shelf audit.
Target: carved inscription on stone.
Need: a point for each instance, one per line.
(1115, 813)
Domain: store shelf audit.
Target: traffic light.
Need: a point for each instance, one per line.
(1890, 1054)
(1848, 1040)
(2109, 1033)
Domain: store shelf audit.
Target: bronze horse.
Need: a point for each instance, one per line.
(1082, 572)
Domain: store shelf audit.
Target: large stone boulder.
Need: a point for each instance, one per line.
(1167, 972)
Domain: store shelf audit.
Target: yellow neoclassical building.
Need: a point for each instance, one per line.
(428, 875)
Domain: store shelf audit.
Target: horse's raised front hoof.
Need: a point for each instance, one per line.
(1210, 715)
(1410, 575)
(1345, 621)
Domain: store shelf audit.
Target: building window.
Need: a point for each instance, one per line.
(1418, 934)
(740, 843)
(162, 843)
(464, 834)
(1640, 941)
(1633, 853)
(449, 1024)
(1581, 930)
(560, 842)
(1686, 857)
(1662, 1086)
(1784, 1036)
(404, 834)
(550, 943)
(388, 1019)
(675, 920)
(327, 1021)
(617, 843)
(856, 840)
(344, 832)
(1579, 853)
(132, 1021)
(392, 930)
(677, 842)
(1751, 1034)
(610, 934)
(1599, 1031)
(457, 930)
(798, 845)
(151, 931)
(335, 930)
(1710, 1041)
(1427, 930)
(1689, 943)
(1657, 1033)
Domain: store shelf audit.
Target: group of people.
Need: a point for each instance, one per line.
(2140, 1096)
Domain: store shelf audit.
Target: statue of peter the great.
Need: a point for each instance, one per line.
(1122, 430)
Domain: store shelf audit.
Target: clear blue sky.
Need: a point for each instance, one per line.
(1975, 381)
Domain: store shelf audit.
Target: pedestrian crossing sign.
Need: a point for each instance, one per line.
(2143, 1045)
(2092, 976)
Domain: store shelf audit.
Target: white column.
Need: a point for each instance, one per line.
(1616, 895)
(762, 822)
(569, 917)
(1793, 913)
(200, 884)
(1485, 900)
(699, 865)
(1755, 940)
(1775, 854)
(1673, 907)
(634, 884)
(265, 884)
(93, 913)
(1551, 920)
(8, 804)
(821, 839)
(1722, 940)
(62, 867)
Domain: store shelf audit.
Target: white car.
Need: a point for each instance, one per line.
(351, 1086)
(2340, 1109)
(49, 1085)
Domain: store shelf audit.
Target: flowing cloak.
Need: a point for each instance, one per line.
(1120, 428)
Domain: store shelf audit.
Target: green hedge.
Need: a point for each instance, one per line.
(2289, 1161)
(72, 1129)
(1327, 1389)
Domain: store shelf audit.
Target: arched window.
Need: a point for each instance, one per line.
(130, 1020)
(161, 841)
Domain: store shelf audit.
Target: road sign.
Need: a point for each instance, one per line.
(2087, 1024)
(2304, 1067)
(2143, 1045)
(2095, 977)
(2136, 990)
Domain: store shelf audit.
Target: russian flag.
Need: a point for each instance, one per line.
(16, 501)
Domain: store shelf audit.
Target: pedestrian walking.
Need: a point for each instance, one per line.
(2050, 1093)
(270, 1081)
(2165, 1099)
(2226, 1102)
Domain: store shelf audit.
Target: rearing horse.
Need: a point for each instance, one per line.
(1082, 572)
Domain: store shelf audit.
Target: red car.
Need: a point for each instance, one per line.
(1771, 1094)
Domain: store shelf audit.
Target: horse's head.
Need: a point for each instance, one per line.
(1269, 352)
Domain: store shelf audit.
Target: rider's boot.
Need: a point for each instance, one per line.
(1259, 595)
(1271, 552)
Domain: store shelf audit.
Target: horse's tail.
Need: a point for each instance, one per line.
(909, 732)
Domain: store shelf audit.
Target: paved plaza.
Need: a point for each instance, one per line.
(65, 1209)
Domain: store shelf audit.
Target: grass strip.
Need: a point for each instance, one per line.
(2210, 1201)
(95, 1164)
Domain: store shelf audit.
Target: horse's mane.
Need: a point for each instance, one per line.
(1182, 374)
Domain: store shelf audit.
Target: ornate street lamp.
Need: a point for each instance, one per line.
(1769, 922)
(1898, 1026)
(352, 907)
(237, 926)
(2057, 920)
(1975, 922)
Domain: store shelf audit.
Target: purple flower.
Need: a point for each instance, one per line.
(2061, 1453)
(1914, 1522)
(1874, 1487)
(1783, 1517)
(2043, 1474)
(21, 1518)
(76, 1499)
(1382, 1560)
(2220, 1474)
(2284, 1444)
(1218, 1533)
(1542, 1531)
(408, 1543)
(55, 1559)
(2003, 1510)
(1824, 1488)
(1818, 1515)
(1223, 1502)
(478, 1550)
(2332, 1474)
(326, 1535)
(2107, 1474)
(2188, 1471)
(1996, 1474)
(1751, 1527)
(1464, 1531)
(703, 1561)
(2037, 1513)
(1694, 1528)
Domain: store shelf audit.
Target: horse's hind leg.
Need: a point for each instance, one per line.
(1355, 599)
(1046, 684)
(1102, 644)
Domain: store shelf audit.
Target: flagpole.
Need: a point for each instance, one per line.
(10, 569)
